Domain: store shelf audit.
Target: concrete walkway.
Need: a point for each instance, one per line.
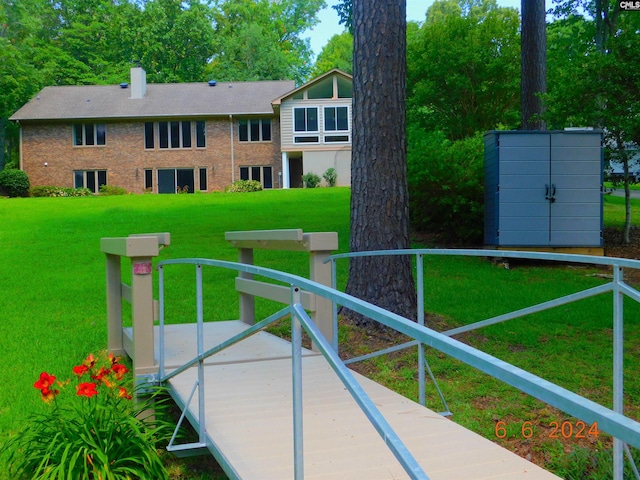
(619, 192)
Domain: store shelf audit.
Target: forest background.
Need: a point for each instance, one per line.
(463, 73)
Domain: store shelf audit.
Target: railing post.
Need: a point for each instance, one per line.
(247, 302)
(114, 305)
(140, 249)
(321, 273)
(142, 315)
(296, 377)
(618, 368)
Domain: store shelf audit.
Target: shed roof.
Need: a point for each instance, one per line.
(161, 100)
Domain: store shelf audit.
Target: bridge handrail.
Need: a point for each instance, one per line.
(617, 286)
(615, 423)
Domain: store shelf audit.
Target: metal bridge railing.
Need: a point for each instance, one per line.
(617, 286)
(624, 429)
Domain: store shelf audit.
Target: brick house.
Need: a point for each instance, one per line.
(164, 138)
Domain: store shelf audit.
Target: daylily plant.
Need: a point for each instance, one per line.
(92, 431)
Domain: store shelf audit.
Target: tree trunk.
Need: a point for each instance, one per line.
(534, 64)
(379, 195)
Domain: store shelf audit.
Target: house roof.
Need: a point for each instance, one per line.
(333, 72)
(160, 100)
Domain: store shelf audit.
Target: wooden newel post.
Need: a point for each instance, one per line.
(140, 249)
(319, 245)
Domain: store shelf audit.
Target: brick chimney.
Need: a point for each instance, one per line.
(138, 82)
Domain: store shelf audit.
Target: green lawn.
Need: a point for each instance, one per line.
(52, 298)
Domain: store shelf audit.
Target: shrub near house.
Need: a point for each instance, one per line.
(14, 183)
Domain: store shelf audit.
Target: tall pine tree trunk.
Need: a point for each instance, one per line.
(379, 197)
(534, 64)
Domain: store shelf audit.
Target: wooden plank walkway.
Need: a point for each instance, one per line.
(249, 423)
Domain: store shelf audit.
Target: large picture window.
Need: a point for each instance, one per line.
(336, 124)
(254, 130)
(305, 120)
(264, 175)
(91, 179)
(174, 134)
(89, 134)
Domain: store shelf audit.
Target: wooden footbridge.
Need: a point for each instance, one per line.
(267, 408)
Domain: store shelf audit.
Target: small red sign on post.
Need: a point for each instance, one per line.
(142, 268)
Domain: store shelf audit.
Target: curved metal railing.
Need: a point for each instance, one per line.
(624, 429)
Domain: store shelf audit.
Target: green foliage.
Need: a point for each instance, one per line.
(14, 182)
(52, 191)
(337, 53)
(581, 463)
(310, 180)
(92, 429)
(446, 191)
(241, 186)
(463, 69)
(330, 176)
(112, 190)
(260, 40)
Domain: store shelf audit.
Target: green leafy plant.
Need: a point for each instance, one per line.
(92, 431)
(330, 176)
(52, 191)
(310, 180)
(14, 182)
(242, 186)
(446, 186)
(112, 190)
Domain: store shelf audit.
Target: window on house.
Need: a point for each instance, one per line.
(89, 134)
(200, 134)
(148, 180)
(305, 119)
(336, 119)
(91, 179)
(149, 141)
(174, 134)
(264, 175)
(203, 179)
(254, 130)
(176, 180)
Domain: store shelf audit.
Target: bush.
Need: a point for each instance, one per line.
(446, 186)
(330, 176)
(51, 191)
(14, 182)
(310, 180)
(242, 186)
(112, 190)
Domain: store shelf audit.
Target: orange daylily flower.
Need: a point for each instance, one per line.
(45, 381)
(86, 389)
(80, 370)
(122, 393)
(119, 370)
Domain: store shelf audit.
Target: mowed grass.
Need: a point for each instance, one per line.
(52, 273)
(52, 300)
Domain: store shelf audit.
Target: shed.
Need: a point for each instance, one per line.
(543, 188)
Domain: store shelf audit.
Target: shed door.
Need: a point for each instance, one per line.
(576, 177)
(525, 170)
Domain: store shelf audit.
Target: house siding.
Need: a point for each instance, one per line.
(286, 120)
(125, 158)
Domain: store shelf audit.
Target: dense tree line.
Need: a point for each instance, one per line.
(464, 78)
(81, 42)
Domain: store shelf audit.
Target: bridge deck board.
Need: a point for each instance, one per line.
(248, 397)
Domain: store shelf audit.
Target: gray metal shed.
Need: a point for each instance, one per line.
(543, 188)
